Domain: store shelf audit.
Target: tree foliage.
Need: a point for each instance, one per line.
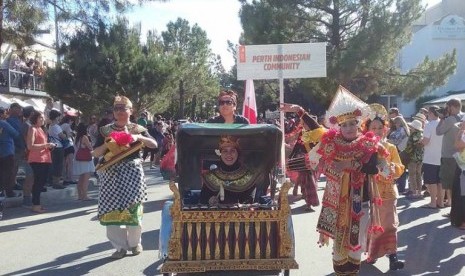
(197, 70)
(363, 40)
(98, 65)
(20, 21)
(172, 73)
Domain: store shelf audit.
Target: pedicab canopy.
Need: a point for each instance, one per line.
(260, 147)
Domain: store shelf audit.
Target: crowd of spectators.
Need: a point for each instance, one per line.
(27, 73)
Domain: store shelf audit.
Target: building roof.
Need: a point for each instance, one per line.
(442, 100)
(441, 9)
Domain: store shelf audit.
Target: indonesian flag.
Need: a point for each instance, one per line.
(249, 109)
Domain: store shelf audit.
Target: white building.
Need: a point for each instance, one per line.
(439, 30)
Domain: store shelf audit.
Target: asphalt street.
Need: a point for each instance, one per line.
(67, 240)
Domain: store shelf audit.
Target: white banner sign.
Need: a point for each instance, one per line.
(274, 61)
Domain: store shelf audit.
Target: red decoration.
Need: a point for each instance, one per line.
(333, 120)
(121, 138)
(357, 112)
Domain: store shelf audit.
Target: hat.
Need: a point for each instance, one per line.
(394, 110)
(416, 124)
(344, 107)
(122, 100)
(420, 116)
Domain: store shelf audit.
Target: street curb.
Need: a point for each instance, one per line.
(152, 177)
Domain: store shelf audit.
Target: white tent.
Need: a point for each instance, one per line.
(67, 110)
(20, 102)
(5, 102)
(38, 104)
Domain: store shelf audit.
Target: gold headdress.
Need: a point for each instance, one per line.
(377, 111)
(344, 107)
(227, 141)
(122, 100)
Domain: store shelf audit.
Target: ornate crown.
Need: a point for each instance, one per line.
(377, 111)
(122, 100)
(228, 141)
(344, 107)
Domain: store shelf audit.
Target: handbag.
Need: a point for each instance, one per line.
(83, 154)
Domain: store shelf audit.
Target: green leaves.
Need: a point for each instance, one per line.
(363, 40)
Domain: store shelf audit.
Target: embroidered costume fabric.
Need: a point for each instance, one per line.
(342, 200)
(385, 243)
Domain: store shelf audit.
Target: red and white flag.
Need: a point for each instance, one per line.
(249, 109)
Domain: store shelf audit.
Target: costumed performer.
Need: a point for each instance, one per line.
(229, 181)
(122, 188)
(385, 243)
(298, 159)
(348, 158)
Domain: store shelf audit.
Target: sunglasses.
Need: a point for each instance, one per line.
(226, 102)
(120, 108)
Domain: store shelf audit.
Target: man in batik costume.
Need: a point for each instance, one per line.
(122, 188)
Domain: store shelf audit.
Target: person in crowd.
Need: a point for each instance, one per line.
(8, 134)
(149, 151)
(29, 175)
(385, 243)
(92, 129)
(348, 158)
(83, 168)
(227, 102)
(432, 159)
(142, 119)
(457, 210)
(398, 136)
(394, 112)
(229, 181)
(157, 133)
(48, 108)
(414, 151)
(168, 142)
(56, 136)
(447, 127)
(68, 149)
(122, 187)
(39, 157)
(15, 119)
(306, 178)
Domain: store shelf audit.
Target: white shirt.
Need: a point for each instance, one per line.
(53, 131)
(432, 153)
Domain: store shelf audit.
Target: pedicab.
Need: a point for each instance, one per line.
(224, 232)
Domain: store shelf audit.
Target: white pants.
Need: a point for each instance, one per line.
(124, 237)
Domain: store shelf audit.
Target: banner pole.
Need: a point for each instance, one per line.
(281, 117)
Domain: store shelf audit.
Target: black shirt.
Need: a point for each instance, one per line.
(238, 119)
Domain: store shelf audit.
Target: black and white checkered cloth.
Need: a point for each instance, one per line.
(122, 185)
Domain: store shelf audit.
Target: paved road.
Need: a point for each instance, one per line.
(67, 240)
